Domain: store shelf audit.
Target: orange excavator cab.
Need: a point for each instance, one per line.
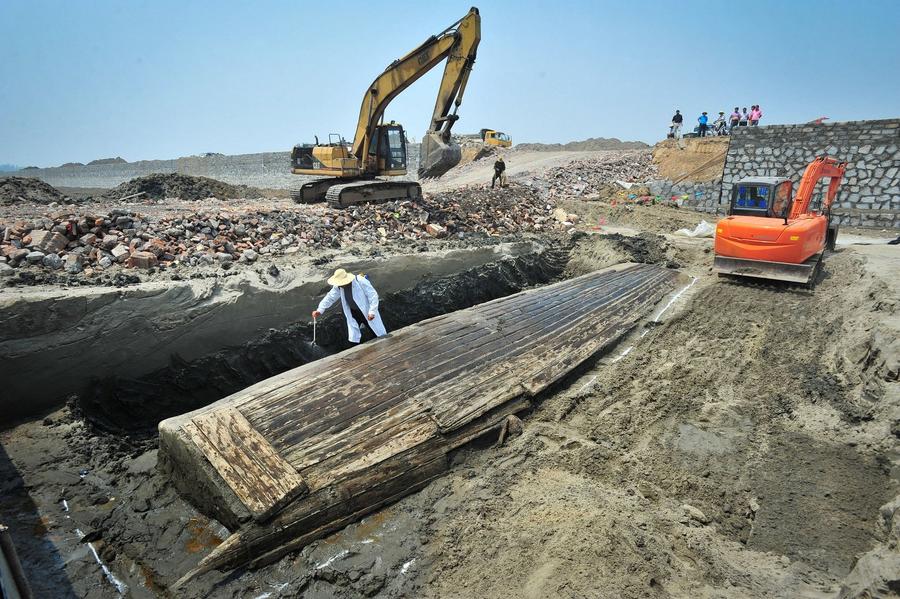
(771, 234)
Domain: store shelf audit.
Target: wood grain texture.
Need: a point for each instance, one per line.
(247, 463)
(362, 428)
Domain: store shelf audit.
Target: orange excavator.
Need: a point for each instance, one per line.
(769, 234)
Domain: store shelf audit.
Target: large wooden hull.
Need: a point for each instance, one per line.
(297, 456)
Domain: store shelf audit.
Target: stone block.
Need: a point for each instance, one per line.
(141, 259)
(120, 253)
(48, 242)
(73, 263)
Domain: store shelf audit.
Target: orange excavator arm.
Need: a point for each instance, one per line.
(821, 167)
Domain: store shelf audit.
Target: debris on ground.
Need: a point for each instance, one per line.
(590, 144)
(27, 189)
(160, 186)
(79, 241)
(588, 177)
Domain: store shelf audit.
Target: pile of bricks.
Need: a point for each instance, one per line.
(88, 243)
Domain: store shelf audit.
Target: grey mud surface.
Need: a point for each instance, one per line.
(745, 445)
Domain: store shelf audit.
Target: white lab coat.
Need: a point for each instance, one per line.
(366, 299)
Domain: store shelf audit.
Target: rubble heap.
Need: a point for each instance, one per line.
(89, 242)
(589, 176)
(159, 186)
(27, 189)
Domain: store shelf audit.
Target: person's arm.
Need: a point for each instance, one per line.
(330, 298)
(371, 296)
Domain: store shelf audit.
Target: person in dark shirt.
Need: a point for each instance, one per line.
(499, 168)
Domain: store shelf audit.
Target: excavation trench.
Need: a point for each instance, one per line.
(131, 358)
(139, 403)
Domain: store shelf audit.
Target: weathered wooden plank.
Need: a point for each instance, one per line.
(491, 386)
(286, 426)
(375, 355)
(262, 480)
(373, 423)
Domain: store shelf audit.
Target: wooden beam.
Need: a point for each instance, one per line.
(248, 464)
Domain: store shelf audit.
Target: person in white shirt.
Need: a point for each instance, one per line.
(359, 301)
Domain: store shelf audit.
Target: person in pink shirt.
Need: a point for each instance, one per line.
(755, 115)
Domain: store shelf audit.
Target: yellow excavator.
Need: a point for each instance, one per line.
(347, 171)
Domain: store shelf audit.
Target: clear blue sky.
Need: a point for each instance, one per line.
(85, 79)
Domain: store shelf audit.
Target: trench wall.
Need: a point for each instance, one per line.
(870, 194)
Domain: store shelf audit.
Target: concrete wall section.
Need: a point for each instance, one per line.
(870, 194)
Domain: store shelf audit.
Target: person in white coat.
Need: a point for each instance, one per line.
(356, 288)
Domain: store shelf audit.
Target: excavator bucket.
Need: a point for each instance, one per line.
(436, 156)
(803, 273)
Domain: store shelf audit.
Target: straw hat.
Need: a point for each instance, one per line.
(340, 277)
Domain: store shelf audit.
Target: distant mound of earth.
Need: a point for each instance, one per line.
(116, 160)
(593, 143)
(27, 189)
(71, 164)
(159, 186)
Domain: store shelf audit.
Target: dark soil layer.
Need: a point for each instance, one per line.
(139, 404)
(26, 189)
(159, 186)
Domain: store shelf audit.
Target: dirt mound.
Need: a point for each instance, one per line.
(591, 176)
(590, 144)
(700, 159)
(159, 186)
(27, 189)
(116, 160)
(712, 461)
(593, 252)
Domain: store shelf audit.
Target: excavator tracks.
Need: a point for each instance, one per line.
(361, 192)
(313, 191)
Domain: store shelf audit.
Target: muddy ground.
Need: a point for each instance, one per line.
(743, 442)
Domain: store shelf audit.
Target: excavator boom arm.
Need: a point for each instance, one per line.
(458, 44)
(818, 169)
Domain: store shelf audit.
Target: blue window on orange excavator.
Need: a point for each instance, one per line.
(752, 197)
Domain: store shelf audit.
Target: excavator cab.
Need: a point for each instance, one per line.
(761, 196)
(388, 149)
(771, 234)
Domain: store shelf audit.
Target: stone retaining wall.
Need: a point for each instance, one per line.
(870, 194)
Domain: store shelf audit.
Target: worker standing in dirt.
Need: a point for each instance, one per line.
(499, 169)
(675, 128)
(703, 120)
(359, 301)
